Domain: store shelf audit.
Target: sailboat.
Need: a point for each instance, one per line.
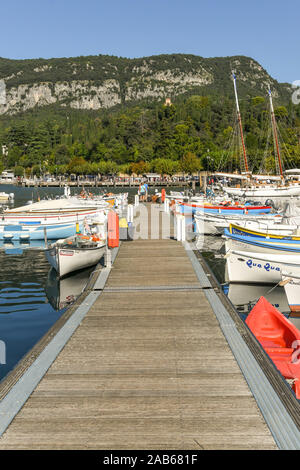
(244, 165)
(282, 189)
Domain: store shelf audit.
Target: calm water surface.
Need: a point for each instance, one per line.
(32, 298)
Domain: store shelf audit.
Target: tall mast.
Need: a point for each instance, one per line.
(240, 124)
(275, 136)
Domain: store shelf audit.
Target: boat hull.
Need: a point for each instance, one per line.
(279, 338)
(189, 208)
(292, 291)
(253, 244)
(256, 268)
(264, 192)
(67, 260)
(21, 233)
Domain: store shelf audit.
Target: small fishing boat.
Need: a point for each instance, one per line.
(75, 253)
(252, 267)
(279, 338)
(270, 233)
(36, 232)
(270, 244)
(68, 210)
(192, 208)
(214, 224)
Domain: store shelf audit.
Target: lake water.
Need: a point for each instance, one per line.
(29, 295)
(32, 298)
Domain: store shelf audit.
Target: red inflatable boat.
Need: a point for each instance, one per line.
(279, 338)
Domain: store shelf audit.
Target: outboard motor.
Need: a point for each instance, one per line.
(270, 202)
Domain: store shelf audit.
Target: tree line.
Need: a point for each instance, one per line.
(194, 133)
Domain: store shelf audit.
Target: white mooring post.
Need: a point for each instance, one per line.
(182, 228)
(167, 206)
(130, 213)
(178, 227)
(136, 200)
(107, 257)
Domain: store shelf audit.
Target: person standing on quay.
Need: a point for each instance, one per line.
(142, 192)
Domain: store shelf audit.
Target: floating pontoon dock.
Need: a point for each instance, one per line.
(151, 356)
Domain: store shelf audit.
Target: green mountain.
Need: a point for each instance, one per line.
(102, 82)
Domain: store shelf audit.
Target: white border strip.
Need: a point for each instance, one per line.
(12, 403)
(285, 432)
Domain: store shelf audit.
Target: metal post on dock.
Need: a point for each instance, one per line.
(107, 256)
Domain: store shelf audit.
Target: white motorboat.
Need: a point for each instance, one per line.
(75, 253)
(252, 267)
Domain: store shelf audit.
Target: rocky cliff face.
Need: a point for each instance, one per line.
(102, 82)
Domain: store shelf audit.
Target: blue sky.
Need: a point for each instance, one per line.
(266, 30)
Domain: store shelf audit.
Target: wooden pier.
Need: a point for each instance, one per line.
(147, 368)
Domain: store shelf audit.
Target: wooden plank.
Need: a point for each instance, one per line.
(144, 370)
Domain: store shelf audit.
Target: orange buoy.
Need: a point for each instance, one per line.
(112, 229)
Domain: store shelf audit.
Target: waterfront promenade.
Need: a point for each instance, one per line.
(147, 368)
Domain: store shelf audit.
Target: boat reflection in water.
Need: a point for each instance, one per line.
(62, 292)
(17, 247)
(245, 296)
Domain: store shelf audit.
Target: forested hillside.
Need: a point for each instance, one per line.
(63, 123)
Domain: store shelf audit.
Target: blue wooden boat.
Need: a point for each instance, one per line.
(36, 232)
(238, 230)
(261, 245)
(192, 208)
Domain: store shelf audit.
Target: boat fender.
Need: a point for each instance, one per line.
(112, 229)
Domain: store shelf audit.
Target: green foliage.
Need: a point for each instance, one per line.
(194, 133)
